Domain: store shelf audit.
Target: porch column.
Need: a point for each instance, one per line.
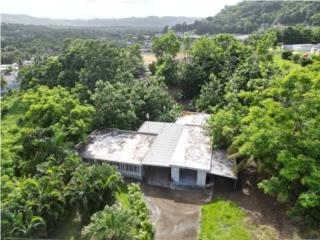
(201, 178)
(175, 174)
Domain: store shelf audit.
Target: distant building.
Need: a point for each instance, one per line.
(159, 153)
(27, 63)
(315, 50)
(301, 47)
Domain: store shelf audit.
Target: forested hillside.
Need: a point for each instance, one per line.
(249, 16)
(132, 22)
(22, 42)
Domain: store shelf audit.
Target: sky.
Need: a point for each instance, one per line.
(88, 9)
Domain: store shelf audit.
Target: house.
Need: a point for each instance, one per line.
(300, 47)
(160, 153)
(315, 50)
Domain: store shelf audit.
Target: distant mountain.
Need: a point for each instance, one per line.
(249, 16)
(136, 22)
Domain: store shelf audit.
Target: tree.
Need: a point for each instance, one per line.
(92, 187)
(218, 56)
(211, 94)
(59, 110)
(168, 69)
(85, 62)
(111, 223)
(291, 156)
(25, 224)
(167, 45)
(126, 106)
(166, 48)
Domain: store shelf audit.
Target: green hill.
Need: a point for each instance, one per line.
(249, 16)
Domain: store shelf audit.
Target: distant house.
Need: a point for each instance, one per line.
(159, 153)
(300, 47)
(315, 50)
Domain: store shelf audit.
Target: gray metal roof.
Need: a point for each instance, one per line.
(193, 149)
(165, 143)
(193, 118)
(221, 165)
(154, 127)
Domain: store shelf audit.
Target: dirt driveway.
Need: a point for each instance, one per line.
(175, 213)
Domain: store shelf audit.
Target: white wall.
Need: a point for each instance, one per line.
(175, 174)
(201, 178)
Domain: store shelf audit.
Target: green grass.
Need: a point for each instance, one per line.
(222, 220)
(285, 65)
(122, 197)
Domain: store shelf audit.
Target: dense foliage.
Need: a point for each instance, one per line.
(289, 35)
(120, 223)
(274, 124)
(251, 98)
(21, 42)
(166, 48)
(126, 106)
(42, 178)
(290, 108)
(249, 16)
(84, 62)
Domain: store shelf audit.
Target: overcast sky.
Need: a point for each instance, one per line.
(86, 9)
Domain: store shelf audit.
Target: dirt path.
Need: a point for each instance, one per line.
(174, 213)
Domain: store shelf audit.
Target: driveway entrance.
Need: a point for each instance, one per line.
(175, 213)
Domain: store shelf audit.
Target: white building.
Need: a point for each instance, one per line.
(300, 47)
(165, 154)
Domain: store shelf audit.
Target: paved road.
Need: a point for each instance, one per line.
(175, 213)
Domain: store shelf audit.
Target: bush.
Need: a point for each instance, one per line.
(117, 222)
(152, 68)
(304, 61)
(296, 58)
(141, 211)
(286, 54)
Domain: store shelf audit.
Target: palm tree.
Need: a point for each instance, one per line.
(91, 188)
(113, 223)
(25, 224)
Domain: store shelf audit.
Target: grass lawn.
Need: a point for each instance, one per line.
(122, 197)
(285, 65)
(222, 220)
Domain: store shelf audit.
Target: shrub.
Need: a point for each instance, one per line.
(296, 58)
(304, 61)
(111, 223)
(286, 54)
(141, 211)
